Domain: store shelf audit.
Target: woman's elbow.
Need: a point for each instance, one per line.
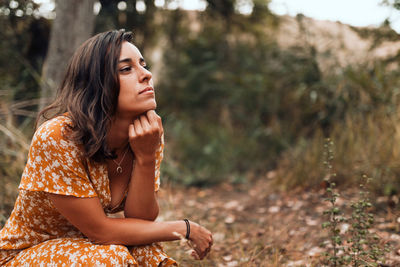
(99, 235)
(155, 215)
(150, 215)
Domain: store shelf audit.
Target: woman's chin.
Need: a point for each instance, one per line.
(153, 106)
(148, 108)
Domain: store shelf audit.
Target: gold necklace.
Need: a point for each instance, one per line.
(119, 168)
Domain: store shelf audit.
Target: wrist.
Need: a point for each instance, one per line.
(178, 229)
(187, 235)
(145, 161)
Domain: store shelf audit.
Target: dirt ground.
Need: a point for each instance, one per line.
(253, 225)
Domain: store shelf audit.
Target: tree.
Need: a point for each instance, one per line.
(393, 3)
(73, 24)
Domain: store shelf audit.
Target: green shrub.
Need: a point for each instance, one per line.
(357, 246)
(227, 99)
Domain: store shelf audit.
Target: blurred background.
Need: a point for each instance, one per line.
(245, 91)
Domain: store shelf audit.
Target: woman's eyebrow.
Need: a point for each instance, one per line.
(128, 60)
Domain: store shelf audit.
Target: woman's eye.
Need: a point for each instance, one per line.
(146, 67)
(125, 69)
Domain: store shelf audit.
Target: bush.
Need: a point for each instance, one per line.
(361, 115)
(228, 102)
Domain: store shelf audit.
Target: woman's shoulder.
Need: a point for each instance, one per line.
(57, 124)
(53, 131)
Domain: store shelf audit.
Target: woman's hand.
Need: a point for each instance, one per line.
(201, 240)
(145, 136)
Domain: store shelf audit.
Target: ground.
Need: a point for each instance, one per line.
(254, 225)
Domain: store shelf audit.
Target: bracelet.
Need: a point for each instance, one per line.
(187, 228)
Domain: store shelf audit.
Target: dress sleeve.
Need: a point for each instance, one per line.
(159, 158)
(55, 164)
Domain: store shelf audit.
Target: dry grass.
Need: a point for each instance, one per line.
(14, 146)
(362, 145)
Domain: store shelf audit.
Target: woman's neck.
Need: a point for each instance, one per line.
(118, 135)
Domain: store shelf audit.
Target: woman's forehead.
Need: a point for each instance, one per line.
(128, 50)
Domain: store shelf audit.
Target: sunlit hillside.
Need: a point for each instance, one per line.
(336, 44)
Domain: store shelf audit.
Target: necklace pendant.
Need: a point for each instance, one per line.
(119, 169)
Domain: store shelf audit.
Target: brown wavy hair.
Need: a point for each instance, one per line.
(89, 92)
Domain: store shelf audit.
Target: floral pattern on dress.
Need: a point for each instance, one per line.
(36, 234)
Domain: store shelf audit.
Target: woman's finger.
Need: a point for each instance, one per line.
(151, 115)
(131, 131)
(154, 119)
(145, 123)
(160, 126)
(200, 255)
(203, 252)
(138, 127)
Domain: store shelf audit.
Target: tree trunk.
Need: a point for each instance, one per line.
(74, 23)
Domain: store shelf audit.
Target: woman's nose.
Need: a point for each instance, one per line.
(146, 75)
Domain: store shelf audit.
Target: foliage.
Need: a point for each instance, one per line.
(394, 3)
(362, 247)
(227, 99)
(23, 46)
(378, 35)
(359, 110)
(334, 212)
(13, 150)
(22, 49)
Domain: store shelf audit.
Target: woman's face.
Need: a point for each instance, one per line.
(136, 92)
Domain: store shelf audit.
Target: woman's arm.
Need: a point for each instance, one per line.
(141, 201)
(88, 216)
(144, 137)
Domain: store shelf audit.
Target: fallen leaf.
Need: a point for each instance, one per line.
(232, 264)
(395, 237)
(344, 227)
(388, 226)
(218, 237)
(253, 192)
(245, 241)
(231, 204)
(297, 205)
(191, 203)
(295, 263)
(274, 209)
(227, 257)
(230, 219)
(201, 194)
(315, 251)
(261, 210)
(311, 222)
(271, 174)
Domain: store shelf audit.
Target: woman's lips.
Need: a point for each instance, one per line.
(147, 90)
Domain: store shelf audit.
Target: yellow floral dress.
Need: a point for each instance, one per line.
(36, 234)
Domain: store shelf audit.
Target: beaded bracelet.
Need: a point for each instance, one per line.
(187, 228)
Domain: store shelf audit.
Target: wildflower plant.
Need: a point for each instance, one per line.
(358, 246)
(334, 213)
(364, 248)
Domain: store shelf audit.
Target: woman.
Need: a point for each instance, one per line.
(99, 154)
